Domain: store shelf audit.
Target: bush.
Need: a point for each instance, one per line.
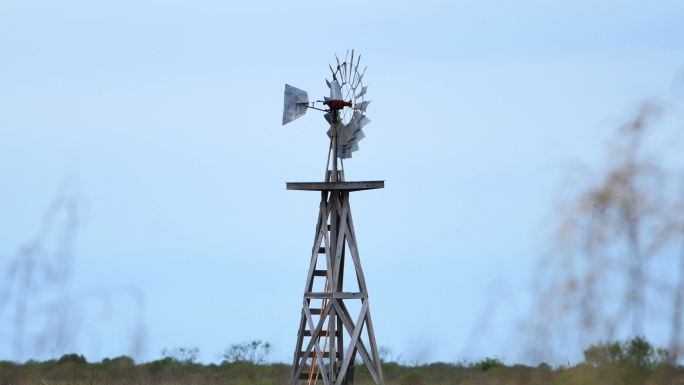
(120, 361)
(72, 358)
(183, 354)
(254, 352)
(636, 353)
(489, 363)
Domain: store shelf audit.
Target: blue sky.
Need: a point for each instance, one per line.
(166, 118)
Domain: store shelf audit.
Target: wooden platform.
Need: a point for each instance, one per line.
(339, 186)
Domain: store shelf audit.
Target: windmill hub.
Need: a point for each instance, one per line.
(336, 105)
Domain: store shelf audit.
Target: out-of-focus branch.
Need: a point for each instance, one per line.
(44, 314)
(595, 280)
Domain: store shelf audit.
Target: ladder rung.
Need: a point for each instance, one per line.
(320, 273)
(321, 250)
(322, 333)
(325, 354)
(304, 375)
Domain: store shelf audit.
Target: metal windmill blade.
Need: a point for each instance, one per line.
(351, 134)
(335, 90)
(295, 104)
(362, 106)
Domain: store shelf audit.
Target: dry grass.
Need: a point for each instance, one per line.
(633, 362)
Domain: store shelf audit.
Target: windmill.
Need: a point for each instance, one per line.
(335, 326)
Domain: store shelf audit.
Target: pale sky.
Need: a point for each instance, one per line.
(165, 118)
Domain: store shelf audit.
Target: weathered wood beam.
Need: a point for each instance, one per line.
(334, 295)
(336, 186)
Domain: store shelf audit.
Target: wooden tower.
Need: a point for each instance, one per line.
(330, 336)
(335, 325)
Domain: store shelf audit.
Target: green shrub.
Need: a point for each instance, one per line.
(119, 362)
(254, 352)
(72, 358)
(489, 363)
(184, 354)
(636, 353)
